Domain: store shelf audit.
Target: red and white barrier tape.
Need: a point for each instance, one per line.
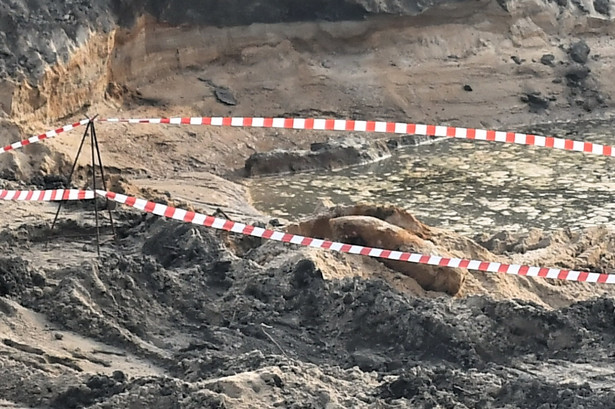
(241, 228)
(46, 135)
(348, 125)
(382, 127)
(222, 224)
(46, 195)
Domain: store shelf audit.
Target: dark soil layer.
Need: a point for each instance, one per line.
(210, 314)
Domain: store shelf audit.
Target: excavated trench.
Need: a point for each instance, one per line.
(180, 316)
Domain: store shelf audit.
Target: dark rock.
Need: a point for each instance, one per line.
(517, 60)
(576, 74)
(603, 7)
(579, 52)
(119, 376)
(275, 223)
(225, 96)
(548, 59)
(536, 102)
(467, 88)
(393, 144)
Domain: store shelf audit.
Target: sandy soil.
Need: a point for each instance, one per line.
(179, 316)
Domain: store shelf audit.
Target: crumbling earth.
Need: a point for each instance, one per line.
(178, 316)
(214, 320)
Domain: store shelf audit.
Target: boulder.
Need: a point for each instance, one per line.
(548, 59)
(372, 232)
(579, 52)
(603, 7)
(536, 102)
(576, 74)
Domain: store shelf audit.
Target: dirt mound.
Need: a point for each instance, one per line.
(182, 316)
(426, 387)
(16, 278)
(334, 154)
(269, 327)
(590, 249)
(215, 292)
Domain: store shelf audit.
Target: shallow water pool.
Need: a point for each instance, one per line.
(467, 186)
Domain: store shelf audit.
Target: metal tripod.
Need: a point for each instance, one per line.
(90, 131)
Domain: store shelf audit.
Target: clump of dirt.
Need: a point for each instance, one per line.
(426, 387)
(96, 388)
(17, 278)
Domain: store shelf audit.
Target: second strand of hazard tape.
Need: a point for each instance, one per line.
(241, 228)
(381, 127)
(43, 136)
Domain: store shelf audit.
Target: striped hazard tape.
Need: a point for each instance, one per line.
(46, 135)
(381, 127)
(46, 195)
(347, 125)
(245, 229)
(241, 228)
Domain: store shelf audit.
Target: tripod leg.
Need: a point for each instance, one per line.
(95, 199)
(70, 176)
(104, 182)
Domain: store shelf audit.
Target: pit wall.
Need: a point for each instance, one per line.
(149, 49)
(146, 51)
(64, 89)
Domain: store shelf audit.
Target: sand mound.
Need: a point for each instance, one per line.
(396, 229)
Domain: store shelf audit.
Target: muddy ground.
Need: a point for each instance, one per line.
(200, 319)
(178, 316)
